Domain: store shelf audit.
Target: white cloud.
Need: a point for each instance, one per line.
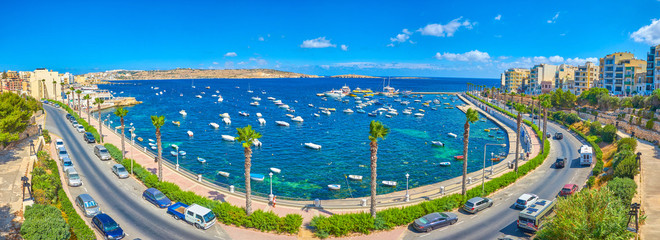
(401, 37)
(554, 19)
(471, 56)
(215, 63)
(581, 61)
(259, 61)
(344, 47)
(446, 30)
(261, 39)
(540, 59)
(649, 34)
(390, 45)
(317, 43)
(498, 17)
(229, 65)
(371, 65)
(231, 54)
(556, 59)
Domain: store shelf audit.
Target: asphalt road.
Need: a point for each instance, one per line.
(120, 198)
(500, 219)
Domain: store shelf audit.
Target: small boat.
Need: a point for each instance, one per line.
(174, 146)
(176, 123)
(198, 96)
(407, 112)
(313, 146)
(220, 99)
(261, 121)
(256, 177)
(310, 105)
(452, 135)
(190, 133)
(297, 119)
(288, 115)
(282, 123)
(174, 153)
(332, 109)
(326, 112)
(214, 125)
(208, 87)
(140, 139)
(496, 159)
(458, 157)
(275, 170)
(334, 186)
(154, 147)
(256, 143)
(419, 114)
(500, 138)
(152, 144)
(445, 164)
(182, 153)
(486, 130)
(348, 110)
(360, 111)
(228, 138)
(437, 143)
(316, 115)
(355, 177)
(224, 115)
(284, 106)
(244, 114)
(183, 112)
(254, 104)
(389, 183)
(226, 121)
(256, 98)
(201, 160)
(224, 174)
(259, 115)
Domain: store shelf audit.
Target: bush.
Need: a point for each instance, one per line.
(44, 222)
(46, 135)
(591, 181)
(571, 118)
(609, 133)
(78, 225)
(115, 153)
(649, 124)
(291, 223)
(623, 188)
(627, 168)
(595, 128)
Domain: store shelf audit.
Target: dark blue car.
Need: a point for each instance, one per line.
(156, 197)
(107, 226)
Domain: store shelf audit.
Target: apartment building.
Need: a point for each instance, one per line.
(45, 83)
(539, 74)
(516, 79)
(565, 78)
(586, 76)
(618, 71)
(652, 69)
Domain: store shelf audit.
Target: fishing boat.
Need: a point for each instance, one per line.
(452, 135)
(334, 186)
(226, 121)
(190, 133)
(224, 174)
(256, 98)
(355, 177)
(282, 123)
(244, 114)
(348, 110)
(214, 125)
(261, 121)
(182, 153)
(275, 170)
(313, 146)
(183, 112)
(201, 160)
(228, 138)
(140, 139)
(389, 183)
(256, 177)
(445, 164)
(458, 157)
(486, 130)
(174, 153)
(297, 119)
(332, 109)
(256, 143)
(176, 123)
(496, 159)
(437, 143)
(418, 114)
(360, 111)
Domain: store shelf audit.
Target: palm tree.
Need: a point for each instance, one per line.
(376, 130)
(72, 91)
(87, 97)
(121, 113)
(78, 92)
(45, 92)
(247, 136)
(98, 102)
(471, 116)
(54, 90)
(159, 121)
(546, 104)
(519, 108)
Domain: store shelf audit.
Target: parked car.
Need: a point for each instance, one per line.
(89, 137)
(59, 143)
(61, 153)
(120, 171)
(66, 164)
(568, 190)
(73, 178)
(101, 152)
(196, 215)
(559, 136)
(107, 226)
(156, 197)
(434, 221)
(87, 205)
(74, 123)
(80, 128)
(69, 117)
(525, 200)
(560, 163)
(477, 204)
(548, 135)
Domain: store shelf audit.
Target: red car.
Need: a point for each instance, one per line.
(568, 189)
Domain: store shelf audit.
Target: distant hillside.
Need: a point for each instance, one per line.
(187, 73)
(352, 76)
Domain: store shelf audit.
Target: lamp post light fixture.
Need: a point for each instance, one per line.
(483, 172)
(407, 195)
(270, 196)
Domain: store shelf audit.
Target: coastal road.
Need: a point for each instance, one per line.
(120, 198)
(500, 219)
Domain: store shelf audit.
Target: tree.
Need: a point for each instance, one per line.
(15, 113)
(376, 130)
(78, 92)
(247, 136)
(568, 100)
(54, 89)
(519, 108)
(121, 113)
(546, 104)
(87, 97)
(626, 168)
(98, 102)
(44, 222)
(623, 188)
(595, 128)
(608, 133)
(70, 101)
(159, 121)
(471, 116)
(589, 214)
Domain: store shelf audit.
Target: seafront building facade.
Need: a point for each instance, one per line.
(586, 76)
(539, 75)
(45, 83)
(618, 72)
(653, 69)
(515, 79)
(565, 78)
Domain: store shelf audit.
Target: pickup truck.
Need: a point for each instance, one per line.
(196, 215)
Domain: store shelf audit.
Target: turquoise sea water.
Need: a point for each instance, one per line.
(305, 173)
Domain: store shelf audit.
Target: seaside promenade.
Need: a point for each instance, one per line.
(189, 182)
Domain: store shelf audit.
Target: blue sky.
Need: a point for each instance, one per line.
(398, 38)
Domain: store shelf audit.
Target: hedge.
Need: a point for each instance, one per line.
(225, 212)
(598, 167)
(339, 225)
(44, 222)
(80, 120)
(78, 225)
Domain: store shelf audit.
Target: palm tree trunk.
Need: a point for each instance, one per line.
(88, 117)
(160, 156)
(373, 147)
(100, 127)
(518, 141)
(122, 137)
(248, 188)
(466, 137)
(545, 123)
(79, 104)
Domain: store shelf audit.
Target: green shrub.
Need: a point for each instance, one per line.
(46, 135)
(291, 223)
(609, 133)
(591, 181)
(115, 153)
(626, 168)
(595, 128)
(78, 225)
(263, 221)
(571, 118)
(44, 222)
(649, 124)
(624, 188)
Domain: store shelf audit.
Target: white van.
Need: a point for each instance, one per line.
(586, 155)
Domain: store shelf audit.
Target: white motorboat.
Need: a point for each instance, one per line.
(151, 140)
(389, 183)
(198, 96)
(313, 146)
(277, 102)
(407, 112)
(437, 143)
(224, 115)
(445, 164)
(326, 112)
(261, 121)
(183, 112)
(217, 91)
(220, 99)
(214, 125)
(419, 114)
(334, 186)
(256, 98)
(174, 153)
(228, 138)
(310, 105)
(244, 114)
(284, 106)
(201, 160)
(348, 110)
(256, 143)
(154, 147)
(214, 95)
(226, 121)
(452, 135)
(190, 133)
(316, 115)
(297, 119)
(289, 115)
(224, 174)
(254, 104)
(259, 115)
(174, 146)
(152, 144)
(270, 98)
(282, 123)
(182, 153)
(275, 170)
(355, 177)
(393, 113)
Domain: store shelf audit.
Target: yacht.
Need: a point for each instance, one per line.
(228, 138)
(297, 119)
(313, 146)
(214, 125)
(282, 123)
(348, 110)
(183, 112)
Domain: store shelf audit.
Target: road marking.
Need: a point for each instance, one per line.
(496, 204)
(473, 216)
(85, 189)
(424, 235)
(459, 222)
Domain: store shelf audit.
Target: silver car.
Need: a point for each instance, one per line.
(61, 153)
(66, 164)
(101, 152)
(80, 128)
(73, 178)
(477, 204)
(525, 200)
(87, 205)
(120, 171)
(59, 143)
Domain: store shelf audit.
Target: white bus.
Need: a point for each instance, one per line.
(532, 218)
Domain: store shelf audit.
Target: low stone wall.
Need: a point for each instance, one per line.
(624, 125)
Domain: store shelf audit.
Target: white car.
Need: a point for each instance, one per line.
(59, 143)
(80, 128)
(525, 200)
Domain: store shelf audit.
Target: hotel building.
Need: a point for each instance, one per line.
(515, 79)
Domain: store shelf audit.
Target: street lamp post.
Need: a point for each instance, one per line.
(407, 196)
(483, 172)
(177, 157)
(270, 196)
(492, 155)
(132, 141)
